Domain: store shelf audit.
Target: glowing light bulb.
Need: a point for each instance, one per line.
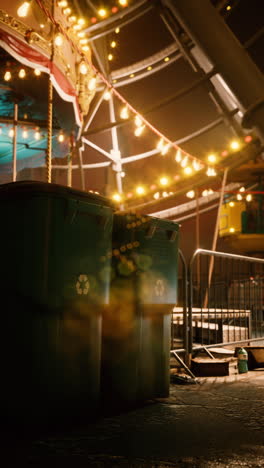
(211, 158)
(196, 165)
(248, 138)
(83, 41)
(164, 181)
(110, 57)
(7, 76)
(107, 95)
(139, 130)
(117, 197)
(124, 113)
(140, 190)
(92, 84)
(81, 21)
(122, 2)
(85, 48)
(249, 197)
(184, 162)
(160, 144)
(58, 40)
(190, 194)
(178, 156)
(61, 137)
(113, 44)
(72, 19)
(231, 204)
(117, 30)
(37, 72)
(239, 197)
(205, 193)
(231, 229)
(102, 12)
(37, 135)
(165, 149)
(25, 134)
(242, 189)
(166, 59)
(22, 73)
(156, 195)
(165, 194)
(138, 121)
(62, 3)
(234, 145)
(67, 11)
(83, 68)
(210, 172)
(188, 170)
(22, 11)
(149, 68)
(11, 132)
(1, 130)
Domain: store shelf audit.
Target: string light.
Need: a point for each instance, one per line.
(124, 113)
(107, 95)
(187, 170)
(62, 3)
(140, 190)
(22, 11)
(37, 134)
(239, 197)
(117, 30)
(178, 156)
(22, 73)
(102, 12)
(184, 162)
(83, 68)
(123, 3)
(242, 189)
(58, 40)
(7, 75)
(25, 134)
(117, 197)
(232, 204)
(67, 11)
(37, 72)
(113, 44)
(110, 57)
(211, 158)
(138, 121)
(139, 130)
(164, 181)
(196, 165)
(61, 137)
(211, 172)
(156, 195)
(11, 132)
(249, 197)
(92, 84)
(190, 194)
(234, 145)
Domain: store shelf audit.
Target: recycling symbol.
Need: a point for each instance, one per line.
(159, 288)
(82, 284)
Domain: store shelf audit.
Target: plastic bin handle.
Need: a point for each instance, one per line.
(91, 211)
(150, 232)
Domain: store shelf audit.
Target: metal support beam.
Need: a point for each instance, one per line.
(14, 160)
(207, 29)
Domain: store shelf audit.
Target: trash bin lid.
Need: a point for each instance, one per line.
(25, 188)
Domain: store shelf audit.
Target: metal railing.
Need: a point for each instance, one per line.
(221, 302)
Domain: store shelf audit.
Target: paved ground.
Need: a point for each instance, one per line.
(217, 423)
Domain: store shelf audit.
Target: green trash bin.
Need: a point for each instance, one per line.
(137, 322)
(55, 275)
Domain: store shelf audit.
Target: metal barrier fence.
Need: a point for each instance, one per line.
(221, 302)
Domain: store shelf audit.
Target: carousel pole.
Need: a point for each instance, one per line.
(49, 139)
(14, 160)
(50, 105)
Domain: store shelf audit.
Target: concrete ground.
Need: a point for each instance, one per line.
(216, 423)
